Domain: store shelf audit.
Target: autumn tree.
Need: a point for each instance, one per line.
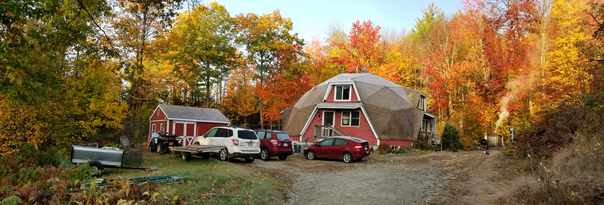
(270, 47)
(424, 24)
(443, 66)
(567, 69)
(362, 48)
(241, 99)
(133, 29)
(319, 68)
(335, 33)
(206, 35)
(57, 88)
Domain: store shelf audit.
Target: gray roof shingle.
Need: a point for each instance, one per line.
(193, 113)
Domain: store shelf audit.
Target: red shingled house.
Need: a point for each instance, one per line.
(185, 121)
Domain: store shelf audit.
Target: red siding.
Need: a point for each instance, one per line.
(170, 125)
(191, 130)
(397, 142)
(363, 131)
(353, 95)
(179, 129)
(158, 114)
(203, 127)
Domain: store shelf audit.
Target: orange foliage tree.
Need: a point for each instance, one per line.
(362, 49)
(241, 99)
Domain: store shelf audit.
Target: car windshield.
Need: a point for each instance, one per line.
(283, 136)
(246, 135)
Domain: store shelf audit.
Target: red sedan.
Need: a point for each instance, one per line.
(339, 147)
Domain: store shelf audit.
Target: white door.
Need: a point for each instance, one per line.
(328, 120)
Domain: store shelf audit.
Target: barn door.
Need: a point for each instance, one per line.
(187, 130)
(189, 134)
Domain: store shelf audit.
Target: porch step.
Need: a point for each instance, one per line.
(338, 131)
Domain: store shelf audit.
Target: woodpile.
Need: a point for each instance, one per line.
(480, 144)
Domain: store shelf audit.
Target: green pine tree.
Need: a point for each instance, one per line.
(450, 138)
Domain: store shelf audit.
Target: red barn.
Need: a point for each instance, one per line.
(189, 122)
(365, 106)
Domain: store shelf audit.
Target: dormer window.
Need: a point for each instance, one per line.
(342, 93)
(423, 103)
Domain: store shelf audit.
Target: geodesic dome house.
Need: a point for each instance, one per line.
(365, 106)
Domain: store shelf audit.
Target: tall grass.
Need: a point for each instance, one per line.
(211, 182)
(566, 156)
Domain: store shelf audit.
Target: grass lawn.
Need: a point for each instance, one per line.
(211, 181)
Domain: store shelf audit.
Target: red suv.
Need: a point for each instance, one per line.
(340, 147)
(274, 143)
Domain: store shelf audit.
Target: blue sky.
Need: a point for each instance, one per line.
(312, 18)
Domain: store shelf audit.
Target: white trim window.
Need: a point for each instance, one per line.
(342, 93)
(351, 119)
(425, 126)
(423, 103)
(161, 127)
(153, 128)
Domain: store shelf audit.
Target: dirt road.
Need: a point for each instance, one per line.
(415, 178)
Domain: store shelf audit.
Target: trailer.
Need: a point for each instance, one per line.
(203, 151)
(100, 158)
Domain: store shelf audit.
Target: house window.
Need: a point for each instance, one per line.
(426, 126)
(161, 127)
(351, 118)
(342, 92)
(422, 103)
(153, 128)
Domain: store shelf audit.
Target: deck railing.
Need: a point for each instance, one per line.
(324, 131)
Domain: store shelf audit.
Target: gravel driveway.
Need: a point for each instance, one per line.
(374, 180)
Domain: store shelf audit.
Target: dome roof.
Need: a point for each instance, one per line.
(391, 108)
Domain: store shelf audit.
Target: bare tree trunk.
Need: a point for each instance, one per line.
(208, 91)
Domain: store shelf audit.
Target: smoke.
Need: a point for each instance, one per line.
(516, 87)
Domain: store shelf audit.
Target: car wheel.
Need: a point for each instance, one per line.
(224, 154)
(96, 168)
(283, 157)
(249, 159)
(186, 156)
(347, 157)
(310, 155)
(264, 154)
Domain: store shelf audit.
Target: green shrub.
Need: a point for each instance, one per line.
(423, 142)
(403, 149)
(384, 148)
(450, 138)
(11, 200)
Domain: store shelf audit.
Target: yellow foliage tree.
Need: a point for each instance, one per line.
(240, 99)
(567, 76)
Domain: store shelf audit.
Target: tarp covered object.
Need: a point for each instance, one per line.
(391, 108)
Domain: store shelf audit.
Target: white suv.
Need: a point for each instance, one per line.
(239, 142)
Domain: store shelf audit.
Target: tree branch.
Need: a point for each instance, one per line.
(97, 25)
